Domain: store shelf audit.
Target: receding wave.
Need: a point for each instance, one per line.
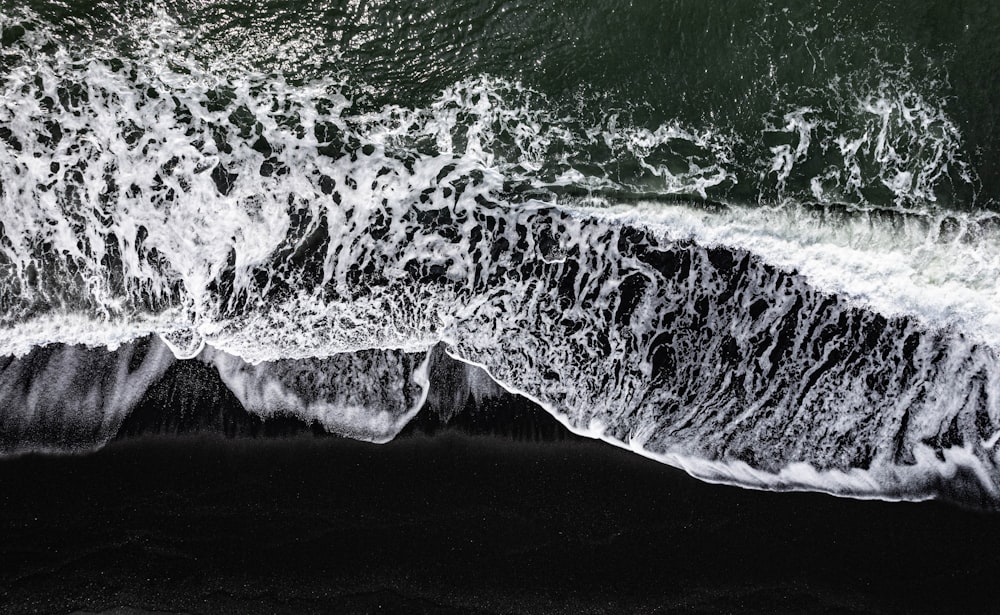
(838, 331)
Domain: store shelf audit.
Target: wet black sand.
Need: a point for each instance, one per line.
(460, 524)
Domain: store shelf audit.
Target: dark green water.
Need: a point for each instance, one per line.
(734, 69)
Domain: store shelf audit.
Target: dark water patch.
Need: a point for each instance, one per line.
(506, 416)
(463, 398)
(191, 398)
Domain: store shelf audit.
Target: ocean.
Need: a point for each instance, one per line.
(756, 241)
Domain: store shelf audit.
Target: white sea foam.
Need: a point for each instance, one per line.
(368, 395)
(890, 137)
(921, 480)
(278, 223)
(71, 398)
(941, 268)
(155, 178)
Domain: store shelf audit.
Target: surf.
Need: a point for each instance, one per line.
(809, 307)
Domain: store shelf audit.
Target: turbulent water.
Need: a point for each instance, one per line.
(758, 241)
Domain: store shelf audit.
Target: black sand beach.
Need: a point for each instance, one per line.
(456, 523)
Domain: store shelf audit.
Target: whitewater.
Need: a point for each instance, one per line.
(321, 253)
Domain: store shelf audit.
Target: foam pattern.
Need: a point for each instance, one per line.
(72, 398)
(315, 250)
(368, 395)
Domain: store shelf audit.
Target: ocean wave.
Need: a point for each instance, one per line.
(823, 336)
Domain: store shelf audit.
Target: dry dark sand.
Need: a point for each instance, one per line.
(460, 524)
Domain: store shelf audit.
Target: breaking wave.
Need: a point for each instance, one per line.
(837, 331)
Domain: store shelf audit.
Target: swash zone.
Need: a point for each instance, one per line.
(689, 354)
